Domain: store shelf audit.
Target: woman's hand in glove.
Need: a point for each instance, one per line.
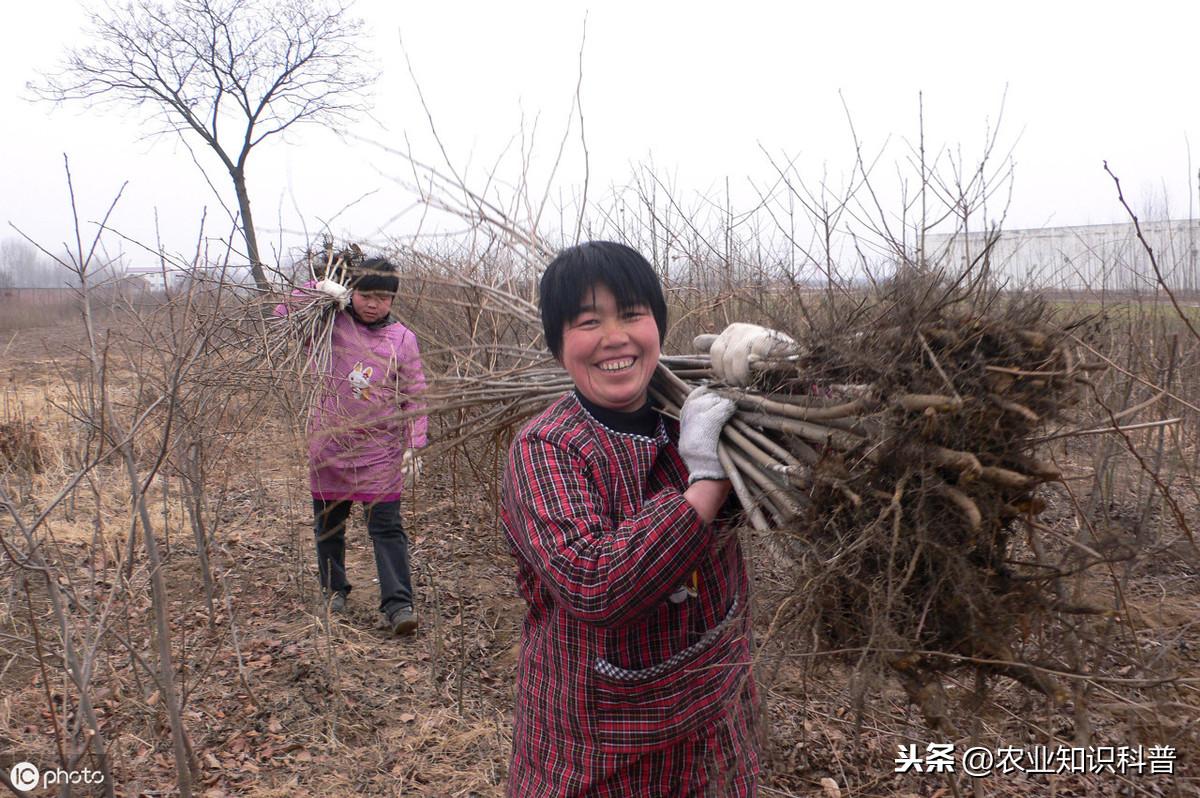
(700, 421)
(701, 418)
(741, 344)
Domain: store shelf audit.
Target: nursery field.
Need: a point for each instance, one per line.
(963, 457)
(263, 694)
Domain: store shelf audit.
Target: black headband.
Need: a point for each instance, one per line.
(376, 281)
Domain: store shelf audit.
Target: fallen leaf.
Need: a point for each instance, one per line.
(831, 788)
(407, 717)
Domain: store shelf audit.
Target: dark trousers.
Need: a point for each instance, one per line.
(387, 537)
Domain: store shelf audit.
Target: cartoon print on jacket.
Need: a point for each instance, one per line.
(360, 381)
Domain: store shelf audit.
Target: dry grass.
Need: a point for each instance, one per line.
(15, 316)
(274, 698)
(294, 704)
(22, 447)
(300, 705)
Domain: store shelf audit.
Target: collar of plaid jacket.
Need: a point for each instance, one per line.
(643, 421)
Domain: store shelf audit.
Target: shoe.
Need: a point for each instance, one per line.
(402, 621)
(337, 603)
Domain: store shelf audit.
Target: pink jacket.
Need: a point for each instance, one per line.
(356, 435)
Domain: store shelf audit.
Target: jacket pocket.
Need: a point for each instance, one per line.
(638, 710)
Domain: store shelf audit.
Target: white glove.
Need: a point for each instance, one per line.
(740, 344)
(411, 466)
(339, 292)
(701, 418)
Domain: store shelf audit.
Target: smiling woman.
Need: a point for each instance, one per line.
(633, 676)
(611, 352)
(604, 318)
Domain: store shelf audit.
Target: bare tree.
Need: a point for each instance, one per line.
(22, 266)
(232, 72)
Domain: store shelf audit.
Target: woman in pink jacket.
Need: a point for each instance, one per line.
(362, 437)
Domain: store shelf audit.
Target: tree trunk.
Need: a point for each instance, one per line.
(193, 468)
(243, 198)
(103, 413)
(161, 626)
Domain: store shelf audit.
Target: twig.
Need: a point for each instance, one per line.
(1166, 422)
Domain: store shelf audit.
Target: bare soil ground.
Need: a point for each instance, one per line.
(283, 700)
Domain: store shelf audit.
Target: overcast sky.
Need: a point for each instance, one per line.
(699, 89)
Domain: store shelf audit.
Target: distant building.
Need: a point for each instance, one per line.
(126, 287)
(1099, 257)
(39, 296)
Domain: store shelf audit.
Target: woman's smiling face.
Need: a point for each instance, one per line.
(611, 353)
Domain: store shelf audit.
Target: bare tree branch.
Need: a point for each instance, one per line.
(230, 72)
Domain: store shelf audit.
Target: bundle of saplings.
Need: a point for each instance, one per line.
(895, 454)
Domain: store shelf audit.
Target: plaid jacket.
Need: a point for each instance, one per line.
(633, 676)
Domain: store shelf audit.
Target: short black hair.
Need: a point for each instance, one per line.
(375, 274)
(619, 268)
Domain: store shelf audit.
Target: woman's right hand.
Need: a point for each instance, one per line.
(701, 419)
